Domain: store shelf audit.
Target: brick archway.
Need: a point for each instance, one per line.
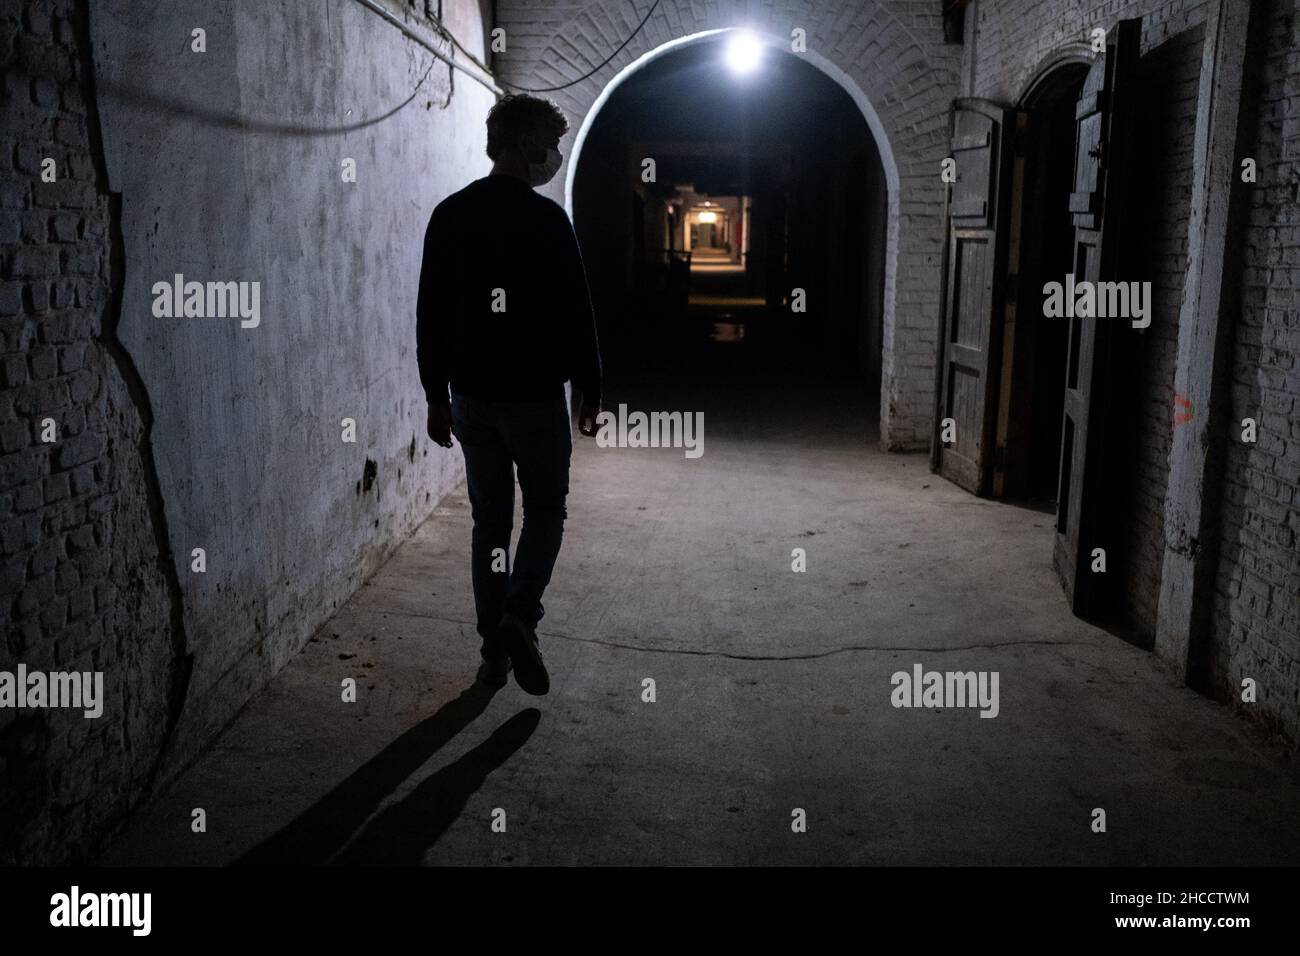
(889, 59)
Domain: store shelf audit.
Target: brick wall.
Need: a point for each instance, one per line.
(81, 584)
(890, 52)
(1257, 592)
(182, 433)
(1017, 37)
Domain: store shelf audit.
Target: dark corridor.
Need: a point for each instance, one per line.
(751, 245)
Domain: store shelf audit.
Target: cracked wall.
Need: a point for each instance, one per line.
(83, 585)
(187, 433)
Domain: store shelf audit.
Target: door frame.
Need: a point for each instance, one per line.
(1063, 69)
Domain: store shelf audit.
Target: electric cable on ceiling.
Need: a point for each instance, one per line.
(492, 81)
(593, 71)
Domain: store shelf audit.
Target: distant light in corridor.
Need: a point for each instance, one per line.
(708, 217)
(743, 53)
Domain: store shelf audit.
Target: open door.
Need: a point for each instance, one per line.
(1103, 128)
(974, 271)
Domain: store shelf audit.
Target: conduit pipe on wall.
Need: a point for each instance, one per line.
(373, 6)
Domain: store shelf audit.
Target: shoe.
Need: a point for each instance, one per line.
(521, 641)
(495, 670)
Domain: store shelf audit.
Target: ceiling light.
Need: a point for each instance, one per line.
(743, 53)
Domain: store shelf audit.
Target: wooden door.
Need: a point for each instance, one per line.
(1103, 129)
(974, 272)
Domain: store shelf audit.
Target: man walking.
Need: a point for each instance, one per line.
(504, 319)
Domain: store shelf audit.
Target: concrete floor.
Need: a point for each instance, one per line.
(773, 687)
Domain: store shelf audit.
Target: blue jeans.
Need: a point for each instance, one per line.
(495, 437)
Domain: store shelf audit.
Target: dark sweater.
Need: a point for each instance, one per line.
(498, 234)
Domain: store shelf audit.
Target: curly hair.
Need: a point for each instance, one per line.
(517, 114)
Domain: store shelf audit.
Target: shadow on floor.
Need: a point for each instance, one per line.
(320, 831)
(402, 833)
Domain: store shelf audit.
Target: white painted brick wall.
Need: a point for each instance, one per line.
(1257, 593)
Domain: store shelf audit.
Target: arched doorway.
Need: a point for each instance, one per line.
(870, 185)
(751, 207)
(1033, 378)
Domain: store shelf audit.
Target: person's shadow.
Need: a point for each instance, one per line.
(317, 833)
(404, 831)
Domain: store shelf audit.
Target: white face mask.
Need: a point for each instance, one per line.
(539, 174)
